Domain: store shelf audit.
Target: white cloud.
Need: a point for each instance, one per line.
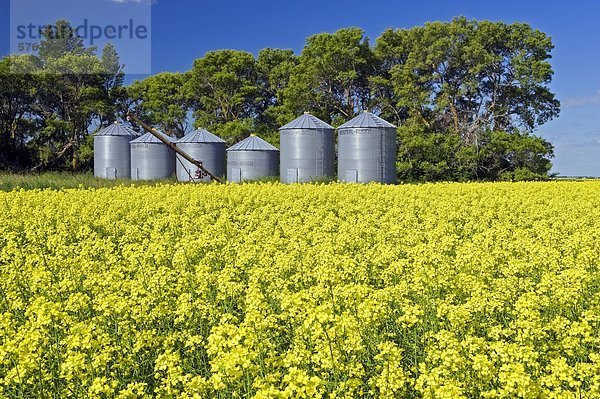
(573, 102)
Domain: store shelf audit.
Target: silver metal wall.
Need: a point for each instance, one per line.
(367, 155)
(251, 165)
(112, 157)
(151, 161)
(212, 155)
(306, 155)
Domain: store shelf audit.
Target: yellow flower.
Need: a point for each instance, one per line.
(317, 291)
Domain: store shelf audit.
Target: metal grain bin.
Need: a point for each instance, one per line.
(367, 150)
(151, 159)
(252, 159)
(112, 152)
(307, 150)
(203, 146)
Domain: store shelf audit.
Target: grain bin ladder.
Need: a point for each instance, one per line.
(179, 151)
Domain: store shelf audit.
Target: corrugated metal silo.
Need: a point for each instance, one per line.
(203, 146)
(112, 152)
(252, 159)
(307, 150)
(151, 159)
(367, 150)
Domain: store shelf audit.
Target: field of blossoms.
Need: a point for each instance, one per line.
(485, 290)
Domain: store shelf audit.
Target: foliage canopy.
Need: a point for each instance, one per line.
(468, 96)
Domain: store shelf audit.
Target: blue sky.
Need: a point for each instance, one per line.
(183, 30)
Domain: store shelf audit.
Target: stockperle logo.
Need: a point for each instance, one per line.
(125, 24)
(87, 31)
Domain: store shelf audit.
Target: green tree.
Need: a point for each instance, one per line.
(274, 70)
(471, 79)
(425, 155)
(18, 92)
(514, 156)
(49, 102)
(69, 100)
(76, 87)
(114, 95)
(470, 76)
(332, 76)
(162, 101)
(61, 39)
(467, 95)
(225, 93)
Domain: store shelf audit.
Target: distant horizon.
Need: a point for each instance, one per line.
(184, 30)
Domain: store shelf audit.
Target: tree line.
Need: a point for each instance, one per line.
(467, 96)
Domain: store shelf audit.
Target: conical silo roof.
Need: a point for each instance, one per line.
(307, 121)
(200, 136)
(252, 143)
(366, 120)
(117, 129)
(149, 138)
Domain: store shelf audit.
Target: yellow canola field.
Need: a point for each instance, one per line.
(305, 291)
